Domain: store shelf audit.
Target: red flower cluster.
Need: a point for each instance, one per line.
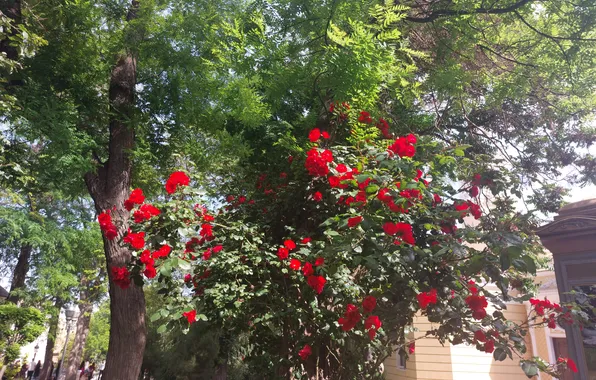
(404, 146)
(145, 212)
(107, 227)
(305, 352)
(372, 324)
(316, 163)
(474, 209)
(569, 363)
(541, 305)
(176, 179)
(478, 304)
(384, 128)
(365, 117)
(149, 262)
(191, 316)
(387, 199)
(207, 231)
(136, 197)
(402, 230)
(427, 298)
(136, 240)
(121, 277)
(164, 251)
(316, 134)
(350, 319)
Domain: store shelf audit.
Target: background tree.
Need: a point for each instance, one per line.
(223, 73)
(96, 345)
(18, 326)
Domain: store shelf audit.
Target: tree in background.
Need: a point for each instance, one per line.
(96, 345)
(18, 326)
(494, 77)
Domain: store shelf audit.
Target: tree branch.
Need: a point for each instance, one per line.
(554, 38)
(450, 12)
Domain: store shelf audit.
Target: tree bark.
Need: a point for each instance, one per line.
(20, 273)
(83, 322)
(46, 370)
(109, 187)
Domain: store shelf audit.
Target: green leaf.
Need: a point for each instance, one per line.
(155, 316)
(184, 265)
(162, 329)
(499, 354)
(505, 260)
(530, 369)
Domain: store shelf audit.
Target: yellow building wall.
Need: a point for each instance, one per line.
(432, 361)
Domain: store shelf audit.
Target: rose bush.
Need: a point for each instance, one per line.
(327, 256)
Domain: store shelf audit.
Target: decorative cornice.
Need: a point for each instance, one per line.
(570, 224)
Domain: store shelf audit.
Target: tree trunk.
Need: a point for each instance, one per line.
(109, 187)
(20, 273)
(83, 322)
(46, 370)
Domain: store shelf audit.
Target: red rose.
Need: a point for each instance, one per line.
(191, 316)
(314, 135)
(341, 168)
(317, 197)
(365, 117)
(354, 221)
(146, 258)
(289, 244)
(295, 264)
(164, 251)
(319, 261)
(412, 348)
(489, 346)
(306, 240)
(207, 254)
(308, 270)
(325, 134)
(334, 181)
(187, 277)
(150, 271)
(372, 321)
(136, 240)
(428, 298)
(317, 283)
(474, 191)
(217, 248)
(350, 319)
(282, 253)
(479, 336)
(121, 277)
(176, 179)
(305, 352)
(369, 303)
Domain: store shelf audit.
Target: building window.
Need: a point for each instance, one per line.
(401, 360)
